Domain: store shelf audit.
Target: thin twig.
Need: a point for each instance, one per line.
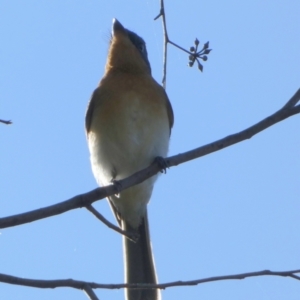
(99, 216)
(6, 122)
(295, 276)
(293, 101)
(89, 291)
(230, 277)
(179, 47)
(86, 199)
(193, 55)
(77, 284)
(166, 40)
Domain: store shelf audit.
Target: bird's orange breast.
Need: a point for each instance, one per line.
(128, 129)
(130, 121)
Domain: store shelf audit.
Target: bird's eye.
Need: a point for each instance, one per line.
(141, 47)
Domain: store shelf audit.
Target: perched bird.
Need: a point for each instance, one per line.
(128, 124)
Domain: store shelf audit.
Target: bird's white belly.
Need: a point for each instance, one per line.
(125, 144)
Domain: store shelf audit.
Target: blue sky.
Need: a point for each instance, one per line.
(230, 212)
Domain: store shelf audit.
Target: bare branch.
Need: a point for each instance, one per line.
(293, 101)
(166, 40)
(89, 291)
(131, 236)
(76, 202)
(194, 54)
(83, 285)
(86, 199)
(6, 122)
(237, 137)
(230, 277)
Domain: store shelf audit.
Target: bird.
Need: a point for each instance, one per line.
(128, 125)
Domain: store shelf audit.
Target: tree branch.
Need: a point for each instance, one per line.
(84, 285)
(132, 236)
(194, 54)
(5, 122)
(166, 40)
(84, 200)
(90, 293)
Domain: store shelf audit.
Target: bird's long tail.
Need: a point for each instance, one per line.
(139, 263)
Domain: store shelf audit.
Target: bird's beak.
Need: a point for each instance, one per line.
(117, 26)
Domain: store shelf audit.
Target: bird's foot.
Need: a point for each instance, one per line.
(117, 185)
(162, 164)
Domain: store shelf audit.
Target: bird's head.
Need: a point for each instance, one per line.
(127, 51)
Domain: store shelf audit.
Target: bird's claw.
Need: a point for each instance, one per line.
(117, 185)
(162, 164)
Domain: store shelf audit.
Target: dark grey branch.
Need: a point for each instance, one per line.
(83, 285)
(5, 122)
(166, 41)
(194, 54)
(90, 293)
(132, 236)
(84, 200)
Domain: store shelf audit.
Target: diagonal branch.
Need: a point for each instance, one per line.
(5, 122)
(90, 293)
(131, 236)
(84, 200)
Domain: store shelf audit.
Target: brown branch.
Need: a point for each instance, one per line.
(6, 122)
(82, 285)
(87, 199)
